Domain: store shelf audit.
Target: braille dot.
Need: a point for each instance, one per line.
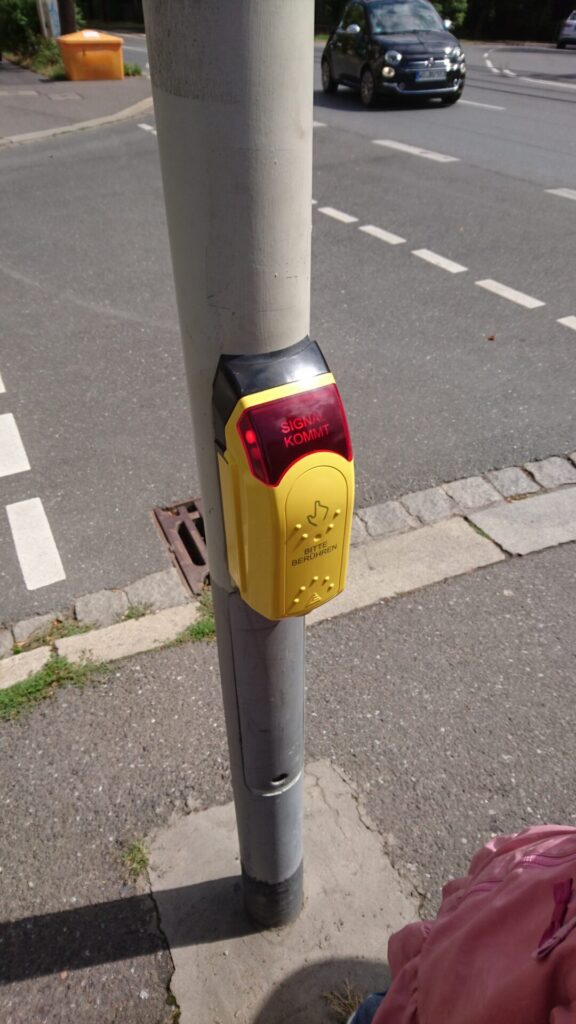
(296, 600)
(331, 587)
(298, 526)
(325, 580)
(304, 536)
(314, 579)
(331, 527)
(318, 536)
(302, 589)
(337, 512)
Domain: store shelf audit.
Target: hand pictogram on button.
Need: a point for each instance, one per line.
(319, 514)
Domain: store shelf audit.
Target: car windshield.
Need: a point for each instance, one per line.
(391, 17)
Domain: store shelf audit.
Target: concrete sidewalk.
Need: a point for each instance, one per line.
(33, 108)
(446, 715)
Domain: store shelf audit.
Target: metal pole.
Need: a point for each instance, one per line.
(233, 86)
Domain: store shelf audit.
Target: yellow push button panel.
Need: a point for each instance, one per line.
(287, 482)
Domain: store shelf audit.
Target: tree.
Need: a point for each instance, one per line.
(455, 10)
(67, 11)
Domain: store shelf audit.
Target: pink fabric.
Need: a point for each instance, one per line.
(502, 949)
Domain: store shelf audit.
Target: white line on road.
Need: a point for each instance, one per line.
(384, 236)
(439, 261)
(337, 214)
(510, 293)
(486, 106)
(148, 128)
(568, 321)
(565, 193)
(544, 81)
(510, 74)
(2, 388)
(318, 124)
(314, 202)
(427, 154)
(13, 458)
(35, 546)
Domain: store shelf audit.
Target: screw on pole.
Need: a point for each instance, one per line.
(232, 83)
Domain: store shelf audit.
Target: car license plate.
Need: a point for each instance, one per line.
(431, 75)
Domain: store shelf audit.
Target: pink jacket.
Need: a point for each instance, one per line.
(502, 949)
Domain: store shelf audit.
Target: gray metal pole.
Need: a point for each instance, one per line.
(232, 84)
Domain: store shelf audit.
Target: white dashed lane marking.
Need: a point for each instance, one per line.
(485, 106)
(148, 128)
(318, 124)
(510, 293)
(564, 193)
(35, 545)
(426, 154)
(439, 261)
(2, 388)
(568, 321)
(384, 236)
(13, 458)
(345, 218)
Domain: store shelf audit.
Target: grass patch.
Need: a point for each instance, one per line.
(205, 627)
(132, 70)
(136, 859)
(343, 1002)
(136, 611)
(45, 61)
(58, 630)
(479, 531)
(56, 673)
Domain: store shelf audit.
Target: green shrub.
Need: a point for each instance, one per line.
(19, 27)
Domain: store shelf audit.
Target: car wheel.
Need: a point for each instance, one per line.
(329, 84)
(367, 88)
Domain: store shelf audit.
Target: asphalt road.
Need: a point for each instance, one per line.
(442, 377)
(451, 710)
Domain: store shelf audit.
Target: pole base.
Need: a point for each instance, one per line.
(274, 904)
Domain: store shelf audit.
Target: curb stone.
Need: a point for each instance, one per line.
(136, 109)
(489, 503)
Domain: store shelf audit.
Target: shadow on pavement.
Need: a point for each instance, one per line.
(308, 995)
(69, 940)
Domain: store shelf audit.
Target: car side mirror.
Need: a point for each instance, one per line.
(353, 30)
(448, 25)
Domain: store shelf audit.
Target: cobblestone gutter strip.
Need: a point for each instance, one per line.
(398, 546)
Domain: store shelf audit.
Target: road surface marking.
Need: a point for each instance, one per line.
(314, 202)
(565, 193)
(511, 74)
(427, 154)
(148, 128)
(568, 321)
(35, 546)
(13, 458)
(439, 261)
(2, 388)
(488, 61)
(384, 236)
(318, 124)
(510, 293)
(544, 81)
(486, 106)
(337, 214)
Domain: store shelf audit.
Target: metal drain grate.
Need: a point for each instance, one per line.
(182, 527)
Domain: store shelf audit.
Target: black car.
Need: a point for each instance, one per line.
(394, 47)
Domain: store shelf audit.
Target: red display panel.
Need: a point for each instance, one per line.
(277, 434)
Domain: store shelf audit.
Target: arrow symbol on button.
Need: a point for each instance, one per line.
(319, 514)
(314, 599)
